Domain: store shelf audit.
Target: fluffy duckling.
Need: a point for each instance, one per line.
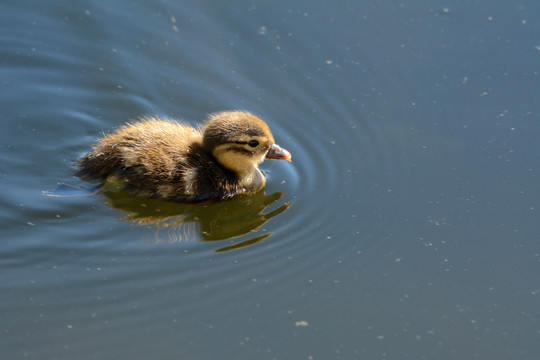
(173, 161)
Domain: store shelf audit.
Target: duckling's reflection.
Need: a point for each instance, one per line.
(209, 221)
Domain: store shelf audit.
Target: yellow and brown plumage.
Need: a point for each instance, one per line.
(166, 159)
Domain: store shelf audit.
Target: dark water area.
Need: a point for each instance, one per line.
(406, 226)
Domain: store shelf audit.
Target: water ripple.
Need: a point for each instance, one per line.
(344, 171)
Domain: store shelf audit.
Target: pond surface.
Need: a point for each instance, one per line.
(406, 227)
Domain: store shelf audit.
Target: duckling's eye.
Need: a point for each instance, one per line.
(253, 143)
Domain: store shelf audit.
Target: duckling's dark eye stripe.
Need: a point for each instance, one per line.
(253, 143)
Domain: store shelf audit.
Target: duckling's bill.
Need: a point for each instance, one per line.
(276, 152)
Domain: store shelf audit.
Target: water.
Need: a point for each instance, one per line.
(406, 226)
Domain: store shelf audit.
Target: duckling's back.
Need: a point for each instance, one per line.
(151, 156)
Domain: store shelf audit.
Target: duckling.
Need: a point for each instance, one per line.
(166, 159)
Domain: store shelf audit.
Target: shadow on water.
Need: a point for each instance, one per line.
(209, 221)
(206, 221)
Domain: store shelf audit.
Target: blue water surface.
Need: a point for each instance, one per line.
(406, 226)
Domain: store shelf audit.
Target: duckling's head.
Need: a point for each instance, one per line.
(240, 141)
